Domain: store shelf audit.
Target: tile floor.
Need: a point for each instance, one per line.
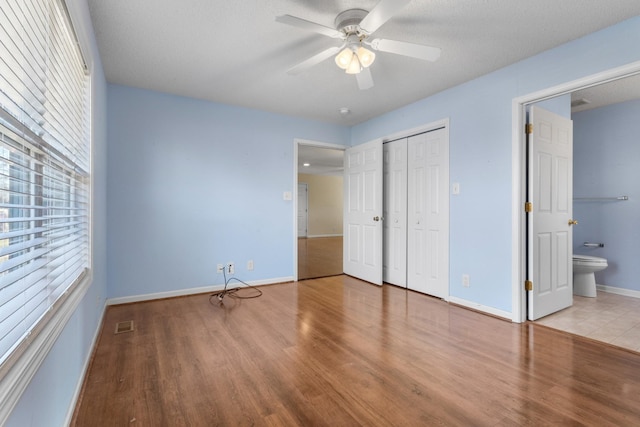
(611, 318)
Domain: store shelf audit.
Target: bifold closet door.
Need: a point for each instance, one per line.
(428, 213)
(395, 213)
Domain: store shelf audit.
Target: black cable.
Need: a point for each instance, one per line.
(233, 293)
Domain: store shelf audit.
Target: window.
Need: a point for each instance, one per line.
(44, 168)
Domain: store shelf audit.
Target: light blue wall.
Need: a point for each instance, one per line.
(481, 146)
(48, 397)
(560, 105)
(194, 183)
(607, 163)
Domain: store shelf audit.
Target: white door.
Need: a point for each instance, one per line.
(428, 213)
(363, 212)
(550, 186)
(395, 213)
(303, 209)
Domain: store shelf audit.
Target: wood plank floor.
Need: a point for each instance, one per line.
(319, 257)
(341, 352)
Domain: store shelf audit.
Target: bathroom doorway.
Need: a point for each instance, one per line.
(605, 163)
(521, 262)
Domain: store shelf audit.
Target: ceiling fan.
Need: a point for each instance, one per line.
(354, 27)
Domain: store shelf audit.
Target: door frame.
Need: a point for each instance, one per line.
(519, 168)
(297, 142)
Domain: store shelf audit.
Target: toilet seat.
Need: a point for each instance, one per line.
(587, 260)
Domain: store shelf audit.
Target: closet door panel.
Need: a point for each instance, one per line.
(428, 213)
(417, 204)
(395, 213)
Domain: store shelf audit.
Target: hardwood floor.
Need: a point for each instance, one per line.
(319, 257)
(339, 352)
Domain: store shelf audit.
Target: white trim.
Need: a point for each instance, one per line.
(79, 20)
(619, 291)
(296, 142)
(479, 307)
(16, 380)
(85, 368)
(518, 264)
(315, 236)
(193, 291)
(417, 130)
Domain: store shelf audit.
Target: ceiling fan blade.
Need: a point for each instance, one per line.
(428, 53)
(365, 81)
(314, 60)
(309, 26)
(381, 13)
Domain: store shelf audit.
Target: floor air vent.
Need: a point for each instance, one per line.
(122, 327)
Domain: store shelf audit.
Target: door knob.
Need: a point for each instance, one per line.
(376, 218)
(573, 222)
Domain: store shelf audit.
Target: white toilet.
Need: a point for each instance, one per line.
(584, 281)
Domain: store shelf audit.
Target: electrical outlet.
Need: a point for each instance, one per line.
(231, 268)
(219, 268)
(250, 265)
(465, 280)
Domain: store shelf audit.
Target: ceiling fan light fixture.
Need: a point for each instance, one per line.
(343, 59)
(354, 66)
(365, 56)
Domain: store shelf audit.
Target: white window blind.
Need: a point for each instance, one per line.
(44, 166)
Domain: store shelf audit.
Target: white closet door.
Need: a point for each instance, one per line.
(395, 213)
(428, 213)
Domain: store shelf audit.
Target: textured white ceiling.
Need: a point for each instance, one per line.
(621, 90)
(234, 52)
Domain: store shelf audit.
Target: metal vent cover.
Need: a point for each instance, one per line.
(122, 327)
(579, 102)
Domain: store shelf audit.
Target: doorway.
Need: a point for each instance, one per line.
(605, 187)
(319, 209)
(521, 262)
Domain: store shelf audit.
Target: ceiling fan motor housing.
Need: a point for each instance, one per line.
(349, 21)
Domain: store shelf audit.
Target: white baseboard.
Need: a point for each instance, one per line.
(193, 291)
(483, 308)
(619, 291)
(313, 236)
(85, 368)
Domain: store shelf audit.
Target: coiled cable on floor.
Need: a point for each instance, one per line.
(234, 292)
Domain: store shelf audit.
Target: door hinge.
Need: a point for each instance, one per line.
(528, 285)
(528, 207)
(528, 128)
